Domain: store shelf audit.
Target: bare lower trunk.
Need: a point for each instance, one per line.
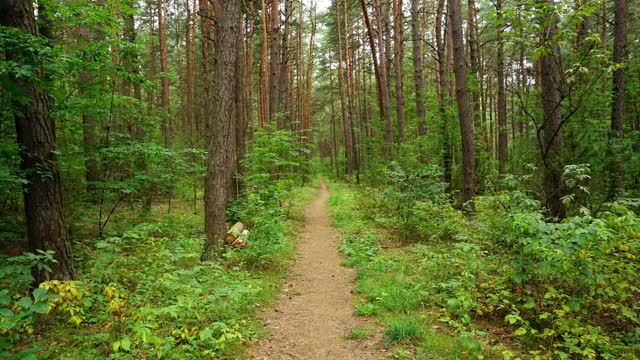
(464, 108)
(550, 79)
(616, 165)
(35, 132)
(221, 131)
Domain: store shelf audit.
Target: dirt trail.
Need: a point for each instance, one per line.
(315, 311)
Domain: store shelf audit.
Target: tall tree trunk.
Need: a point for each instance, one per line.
(190, 72)
(248, 67)
(350, 100)
(307, 114)
(344, 104)
(398, 54)
(385, 99)
(416, 28)
(374, 58)
(464, 108)
(164, 100)
(263, 77)
(274, 63)
(551, 80)
(442, 95)
(283, 77)
(222, 110)
(334, 141)
(502, 97)
(616, 181)
(36, 138)
(473, 61)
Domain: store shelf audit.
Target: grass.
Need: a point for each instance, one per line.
(393, 285)
(402, 329)
(360, 333)
(367, 310)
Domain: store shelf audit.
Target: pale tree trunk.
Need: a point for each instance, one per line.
(344, 105)
(464, 108)
(473, 62)
(306, 129)
(36, 138)
(398, 54)
(384, 87)
(616, 181)
(221, 132)
(349, 77)
(418, 80)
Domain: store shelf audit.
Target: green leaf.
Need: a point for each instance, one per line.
(39, 293)
(521, 331)
(206, 334)
(40, 307)
(530, 304)
(125, 344)
(5, 299)
(25, 302)
(6, 313)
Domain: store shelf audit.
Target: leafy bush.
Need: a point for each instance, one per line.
(405, 189)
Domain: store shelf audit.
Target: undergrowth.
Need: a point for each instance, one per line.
(142, 291)
(505, 284)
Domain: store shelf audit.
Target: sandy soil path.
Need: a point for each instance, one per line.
(315, 311)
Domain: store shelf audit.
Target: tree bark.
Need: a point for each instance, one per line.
(381, 80)
(274, 63)
(263, 76)
(464, 109)
(550, 79)
(221, 132)
(473, 61)
(502, 97)
(441, 78)
(398, 54)
(344, 104)
(416, 28)
(164, 100)
(616, 181)
(36, 138)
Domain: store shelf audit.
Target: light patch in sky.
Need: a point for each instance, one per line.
(322, 5)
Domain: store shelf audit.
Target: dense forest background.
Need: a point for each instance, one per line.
(134, 133)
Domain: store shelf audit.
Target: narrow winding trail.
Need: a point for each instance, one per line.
(315, 311)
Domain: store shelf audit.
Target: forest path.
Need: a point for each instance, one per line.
(315, 312)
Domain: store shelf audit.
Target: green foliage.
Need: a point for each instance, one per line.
(405, 189)
(366, 310)
(566, 290)
(19, 312)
